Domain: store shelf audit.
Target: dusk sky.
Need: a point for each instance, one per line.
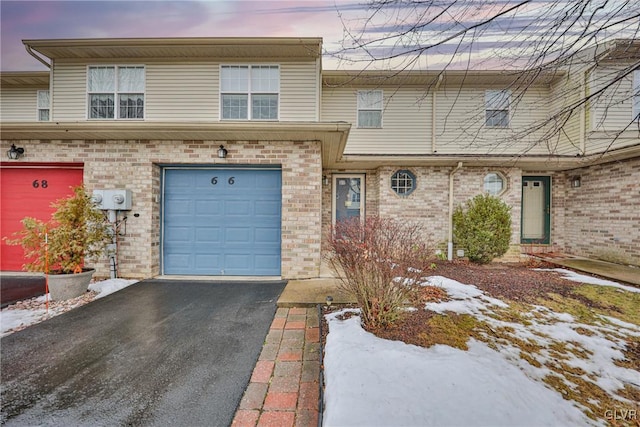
(511, 32)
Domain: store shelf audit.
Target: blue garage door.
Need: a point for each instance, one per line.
(222, 221)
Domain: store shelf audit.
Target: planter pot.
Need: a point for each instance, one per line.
(67, 286)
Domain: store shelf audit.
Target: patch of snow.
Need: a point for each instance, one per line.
(106, 287)
(377, 382)
(11, 319)
(582, 278)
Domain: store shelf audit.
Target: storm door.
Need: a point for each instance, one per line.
(536, 209)
(348, 197)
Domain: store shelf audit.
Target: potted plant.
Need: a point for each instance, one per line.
(76, 231)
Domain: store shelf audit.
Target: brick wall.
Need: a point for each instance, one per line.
(136, 165)
(602, 216)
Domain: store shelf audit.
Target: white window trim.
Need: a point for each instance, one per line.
(39, 108)
(381, 109)
(116, 103)
(249, 92)
(508, 109)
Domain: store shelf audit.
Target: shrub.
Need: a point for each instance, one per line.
(377, 260)
(483, 229)
(76, 230)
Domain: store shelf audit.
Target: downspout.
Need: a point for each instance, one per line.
(32, 53)
(583, 115)
(450, 242)
(433, 114)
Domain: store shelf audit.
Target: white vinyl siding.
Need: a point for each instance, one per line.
(562, 96)
(461, 126)
(612, 109)
(407, 119)
(182, 92)
(69, 96)
(298, 91)
(18, 105)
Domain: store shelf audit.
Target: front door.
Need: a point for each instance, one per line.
(536, 209)
(348, 197)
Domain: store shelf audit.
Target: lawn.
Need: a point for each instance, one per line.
(492, 345)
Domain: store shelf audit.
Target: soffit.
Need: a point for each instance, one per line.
(331, 135)
(24, 78)
(179, 48)
(423, 78)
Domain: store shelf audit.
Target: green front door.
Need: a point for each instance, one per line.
(536, 210)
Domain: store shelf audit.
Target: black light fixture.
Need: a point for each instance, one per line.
(14, 153)
(576, 181)
(222, 152)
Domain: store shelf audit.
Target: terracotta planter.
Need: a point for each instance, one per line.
(67, 286)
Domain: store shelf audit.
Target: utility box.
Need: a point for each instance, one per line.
(116, 200)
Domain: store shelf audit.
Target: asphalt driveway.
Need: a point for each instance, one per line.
(156, 353)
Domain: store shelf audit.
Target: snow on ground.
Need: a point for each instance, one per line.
(371, 381)
(19, 316)
(376, 382)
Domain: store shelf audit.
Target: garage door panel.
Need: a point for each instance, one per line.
(237, 207)
(246, 214)
(28, 191)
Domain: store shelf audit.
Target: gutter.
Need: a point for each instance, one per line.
(32, 53)
(450, 242)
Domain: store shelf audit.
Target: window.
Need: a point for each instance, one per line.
(43, 105)
(116, 92)
(249, 92)
(497, 108)
(403, 182)
(494, 183)
(369, 108)
(636, 95)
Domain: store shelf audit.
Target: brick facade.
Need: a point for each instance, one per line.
(137, 165)
(602, 216)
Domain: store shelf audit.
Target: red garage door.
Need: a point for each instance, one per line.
(29, 190)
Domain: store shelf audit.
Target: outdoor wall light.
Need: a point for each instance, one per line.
(222, 152)
(576, 182)
(325, 180)
(14, 153)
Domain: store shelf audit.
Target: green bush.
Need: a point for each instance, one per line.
(483, 228)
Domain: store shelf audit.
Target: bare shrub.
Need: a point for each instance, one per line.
(377, 260)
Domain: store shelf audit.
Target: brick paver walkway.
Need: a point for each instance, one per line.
(283, 390)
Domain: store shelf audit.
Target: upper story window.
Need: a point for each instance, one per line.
(249, 92)
(496, 104)
(369, 108)
(636, 95)
(43, 105)
(115, 92)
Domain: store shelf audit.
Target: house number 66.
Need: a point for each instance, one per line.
(231, 181)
